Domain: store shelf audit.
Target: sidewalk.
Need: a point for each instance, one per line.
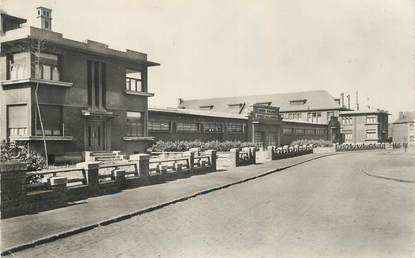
(27, 231)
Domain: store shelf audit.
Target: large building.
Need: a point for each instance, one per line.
(404, 128)
(90, 97)
(309, 106)
(364, 126)
(262, 125)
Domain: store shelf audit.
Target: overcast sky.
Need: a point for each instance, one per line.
(213, 48)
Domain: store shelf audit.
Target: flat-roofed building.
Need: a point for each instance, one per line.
(404, 128)
(364, 126)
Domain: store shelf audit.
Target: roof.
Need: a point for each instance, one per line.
(405, 117)
(87, 46)
(365, 112)
(11, 17)
(195, 112)
(296, 101)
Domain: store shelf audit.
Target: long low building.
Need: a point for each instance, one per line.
(263, 125)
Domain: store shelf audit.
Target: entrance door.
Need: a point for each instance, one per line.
(95, 135)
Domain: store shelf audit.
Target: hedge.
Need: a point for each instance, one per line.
(20, 152)
(318, 143)
(172, 146)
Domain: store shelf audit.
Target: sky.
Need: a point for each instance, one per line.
(221, 48)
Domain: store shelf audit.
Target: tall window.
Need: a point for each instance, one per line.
(135, 124)
(371, 135)
(133, 80)
(348, 136)
(51, 118)
(329, 116)
(17, 120)
(314, 117)
(96, 83)
(19, 66)
(347, 120)
(48, 67)
(299, 131)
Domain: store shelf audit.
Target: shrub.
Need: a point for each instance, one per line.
(171, 146)
(20, 152)
(318, 143)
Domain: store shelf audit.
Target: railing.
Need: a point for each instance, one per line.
(358, 147)
(161, 167)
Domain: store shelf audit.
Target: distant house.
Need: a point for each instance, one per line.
(403, 128)
(91, 97)
(309, 106)
(364, 126)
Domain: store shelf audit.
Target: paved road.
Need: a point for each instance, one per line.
(324, 208)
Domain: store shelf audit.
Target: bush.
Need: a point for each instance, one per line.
(20, 152)
(172, 146)
(318, 143)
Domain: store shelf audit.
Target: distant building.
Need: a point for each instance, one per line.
(369, 126)
(91, 97)
(262, 126)
(403, 128)
(309, 106)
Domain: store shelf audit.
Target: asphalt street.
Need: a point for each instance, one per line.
(331, 207)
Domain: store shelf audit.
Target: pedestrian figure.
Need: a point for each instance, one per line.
(405, 145)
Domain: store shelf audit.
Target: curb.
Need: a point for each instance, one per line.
(106, 222)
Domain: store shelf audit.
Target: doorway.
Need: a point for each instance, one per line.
(95, 135)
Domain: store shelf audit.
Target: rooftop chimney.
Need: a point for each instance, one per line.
(44, 16)
(348, 101)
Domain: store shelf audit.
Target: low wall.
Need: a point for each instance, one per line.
(359, 147)
(24, 192)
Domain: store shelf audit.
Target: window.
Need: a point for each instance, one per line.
(133, 80)
(411, 126)
(314, 117)
(299, 131)
(187, 127)
(411, 138)
(310, 131)
(46, 25)
(320, 131)
(234, 127)
(48, 68)
(159, 126)
(348, 136)
(51, 118)
(212, 127)
(287, 130)
(17, 120)
(347, 121)
(371, 120)
(208, 107)
(96, 83)
(135, 124)
(371, 135)
(19, 66)
(298, 102)
(329, 116)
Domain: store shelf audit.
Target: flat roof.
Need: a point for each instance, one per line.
(87, 46)
(196, 112)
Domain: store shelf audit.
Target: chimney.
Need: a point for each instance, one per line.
(44, 16)
(342, 99)
(180, 101)
(357, 100)
(348, 101)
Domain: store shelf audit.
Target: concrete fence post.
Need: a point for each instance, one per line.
(212, 154)
(91, 170)
(234, 157)
(192, 161)
(253, 152)
(143, 164)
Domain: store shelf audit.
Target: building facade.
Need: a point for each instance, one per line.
(364, 126)
(84, 95)
(309, 106)
(404, 128)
